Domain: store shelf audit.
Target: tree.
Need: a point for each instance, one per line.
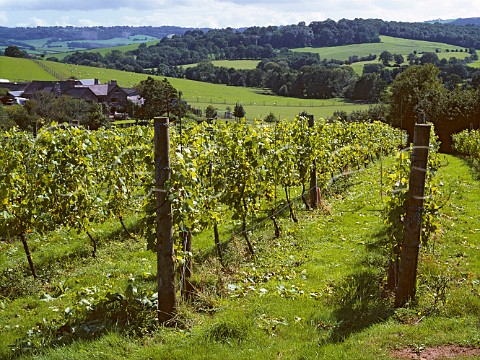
(368, 87)
(398, 58)
(96, 118)
(19, 116)
(476, 79)
(14, 51)
(160, 98)
(385, 57)
(412, 58)
(415, 93)
(270, 118)
(5, 121)
(210, 112)
(238, 111)
(429, 58)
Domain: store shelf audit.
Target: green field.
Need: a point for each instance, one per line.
(60, 49)
(236, 64)
(105, 50)
(198, 94)
(391, 44)
(17, 70)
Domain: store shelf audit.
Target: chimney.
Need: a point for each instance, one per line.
(113, 82)
(56, 89)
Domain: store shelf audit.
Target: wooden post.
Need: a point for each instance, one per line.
(187, 288)
(314, 200)
(29, 257)
(407, 272)
(167, 301)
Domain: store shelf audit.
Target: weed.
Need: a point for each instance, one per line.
(229, 327)
(14, 283)
(359, 303)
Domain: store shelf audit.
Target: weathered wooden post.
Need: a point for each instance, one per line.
(187, 268)
(314, 198)
(407, 273)
(167, 302)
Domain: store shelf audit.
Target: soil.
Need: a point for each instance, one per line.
(436, 352)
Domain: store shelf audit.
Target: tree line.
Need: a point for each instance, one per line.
(261, 42)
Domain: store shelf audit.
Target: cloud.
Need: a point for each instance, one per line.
(225, 13)
(3, 18)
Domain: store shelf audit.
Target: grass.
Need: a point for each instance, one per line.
(313, 293)
(258, 103)
(17, 70)
(388, 43)
(391, 44)
(60, 49)
(104, 50)
(235, 64)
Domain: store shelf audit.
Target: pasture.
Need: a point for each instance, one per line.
(17, 70)
(258, 103)
(387, 43)
(236, 64)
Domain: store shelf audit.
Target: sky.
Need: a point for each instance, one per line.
(223, 13)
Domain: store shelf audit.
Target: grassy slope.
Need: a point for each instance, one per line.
(388, 43)
(104, 51)
(236, 64)
(22, 70)
(198, 94)
(320, 300)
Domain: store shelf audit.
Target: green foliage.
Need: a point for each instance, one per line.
(270, 118)
(293, 293)
(467, 143)
(14, 51)
(46, 107)
(396, 182)
(412, 95)
(210, 112)
(385, 57)
(238, 111)
(91, 315)
(161, 98)
(229, 328)
(6, 122)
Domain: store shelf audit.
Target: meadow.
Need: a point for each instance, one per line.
(104, 50)
(60, 49)
(387, 43)
(257, 102)
(18, 70)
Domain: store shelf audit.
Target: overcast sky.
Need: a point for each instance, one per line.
(223, 13)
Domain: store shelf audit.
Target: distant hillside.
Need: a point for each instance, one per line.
(55, 39)
(71, 33)
(467, 21)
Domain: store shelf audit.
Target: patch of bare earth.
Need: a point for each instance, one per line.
(436, 352)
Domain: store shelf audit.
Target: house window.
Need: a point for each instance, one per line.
(114, 99)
